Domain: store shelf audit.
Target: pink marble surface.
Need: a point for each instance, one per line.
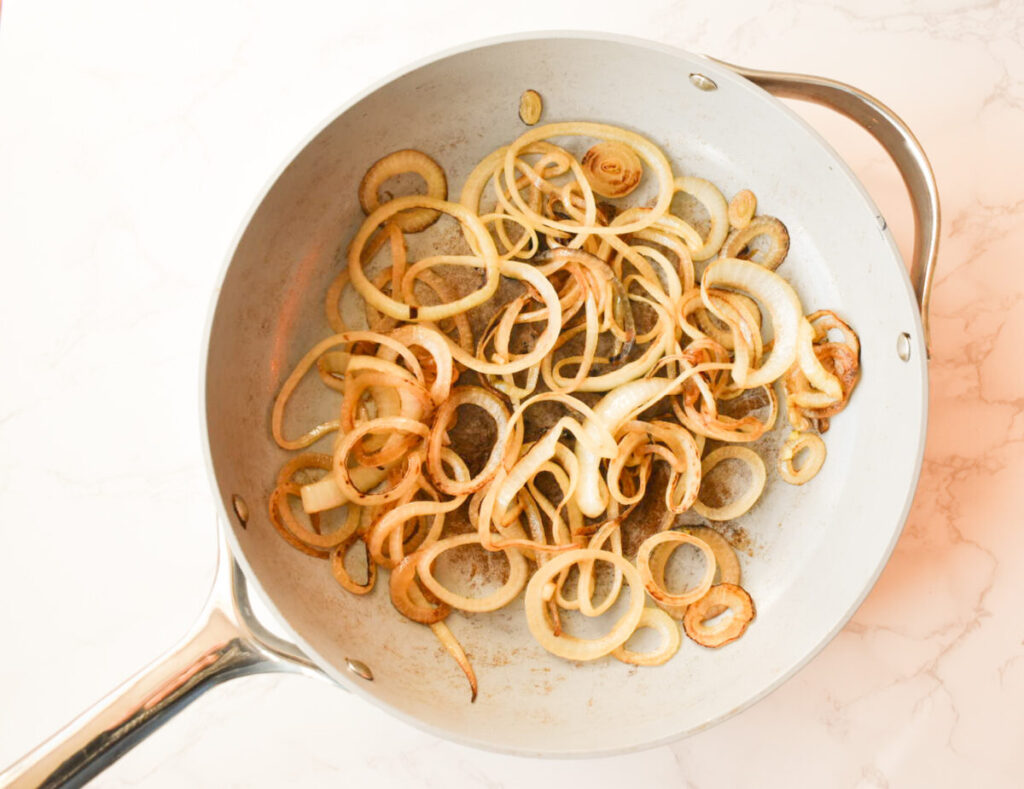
(134, 138)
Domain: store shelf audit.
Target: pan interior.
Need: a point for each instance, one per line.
(810, 552)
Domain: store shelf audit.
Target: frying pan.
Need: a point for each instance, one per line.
(817, 549)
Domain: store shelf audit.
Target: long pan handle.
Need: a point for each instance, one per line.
(900, 143)
(226, 642)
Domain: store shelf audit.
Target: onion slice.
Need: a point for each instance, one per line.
(407, 161)
(722, 632)
(750, 496)
(793, 445)
(512, 586)
(672, 638)
(666, 542)
(570, 647)
(778, 298)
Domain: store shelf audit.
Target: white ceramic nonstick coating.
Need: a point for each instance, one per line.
(815, 551)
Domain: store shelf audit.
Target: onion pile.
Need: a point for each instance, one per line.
(602, 346)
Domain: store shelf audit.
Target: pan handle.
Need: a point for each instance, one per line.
(226, 642)
(900, 143)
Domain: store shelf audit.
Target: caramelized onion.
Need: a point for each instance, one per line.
(555, 293)
(412, 220)
(656, 619)
(612, 168)
(795, 443)
(730, 596)
(744, 502)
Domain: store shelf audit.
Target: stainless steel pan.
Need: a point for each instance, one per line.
(818, 549)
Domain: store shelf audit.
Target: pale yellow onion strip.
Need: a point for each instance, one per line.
(331, 306)
(341, 575)
(669, 273)
(628, 445)
(825, 320)
(669, 541)
(529, 241)
(585, 586)
(610, 532)
(396, 163)
(727, 566)
(793, 445)
(311, 538)
(636, 368)
(590, 204)
(684, 266)
(725, 630)
(570, 647)
(342, 474)
(505, 521)
(495, 408)
(545, 342)
(669, 223)
(593, 437)
(472, 226)
(527, 466)
(650, 153)
(305, 363)
(560, 530)
(750, 496)
(638, 257)
(615, 408)
(684, 451)
(558, 383)
(781, 302)
(820, 378)
(492, 602)
(337, 286)
(438, 346)
(664, 325)
(394, 520)
(451, 643)
(718, 209)
(504, 202)
(534, 502)
(444, 294)
(411, 402)
(331, 369)
(324, 494)
(746, 337)
(672, 638)
(476, 182)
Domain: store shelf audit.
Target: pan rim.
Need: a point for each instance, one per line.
(919, 360)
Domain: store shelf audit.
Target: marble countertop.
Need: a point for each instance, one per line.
(135, 137)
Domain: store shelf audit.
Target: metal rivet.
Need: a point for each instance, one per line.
(703, 82)
(241, 509)
(359, 668)
(903, 346)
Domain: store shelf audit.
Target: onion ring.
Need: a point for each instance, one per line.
(406, 161)
(512, 586)
(750, 496)
(793, 445)
(723, 595)
(656, 619)
(570, 647)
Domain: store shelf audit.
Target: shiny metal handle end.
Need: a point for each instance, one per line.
(227, 642)
(900, 143)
